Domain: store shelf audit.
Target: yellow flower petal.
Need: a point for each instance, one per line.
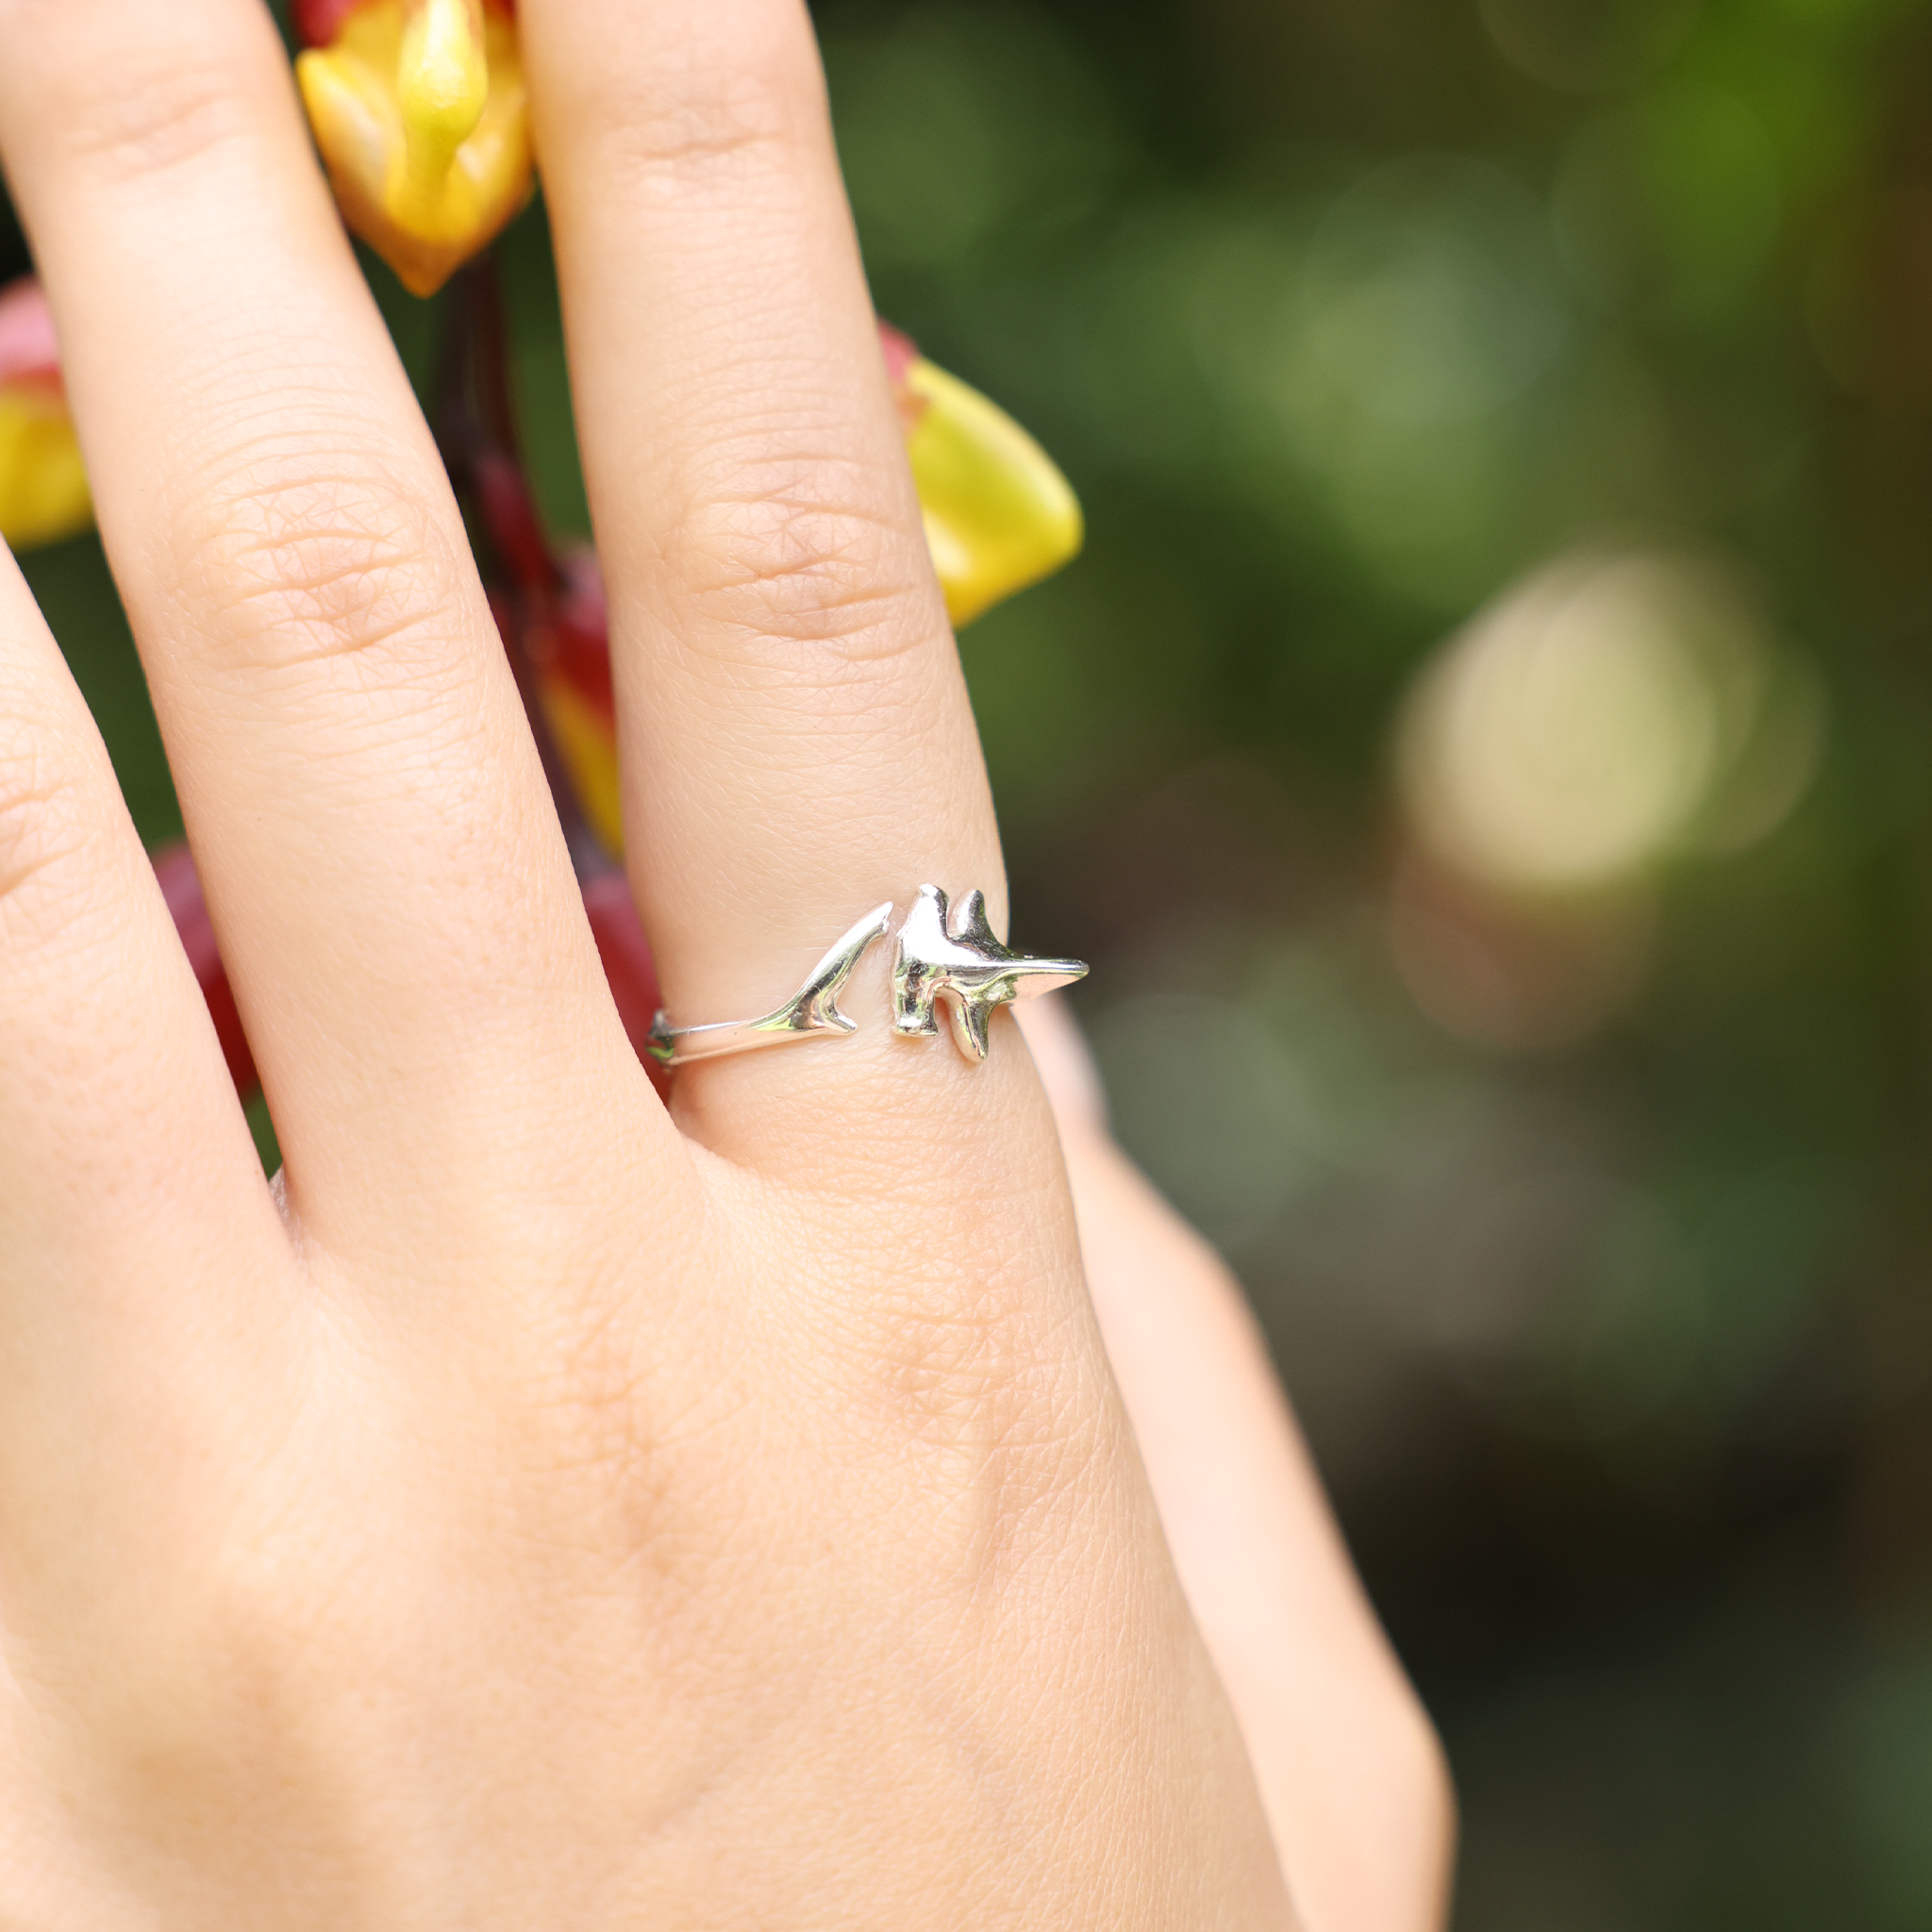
(43, 493)
(999, 515)
(588, 747)
(421, 113)
(442, 84)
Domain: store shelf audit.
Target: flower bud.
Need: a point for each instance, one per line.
(318, 22)
(999, 515)
(420, 111)
(44, 493)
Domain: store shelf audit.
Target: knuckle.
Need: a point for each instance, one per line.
(688, 123)
(252, 1651)
(147, 113)
(43, 841)
(800, 562)
(304, 564)
(683, 140)
(1001, 1424)
(580, 1393)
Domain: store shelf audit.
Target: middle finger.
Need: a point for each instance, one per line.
(382, 860)
(798, 742)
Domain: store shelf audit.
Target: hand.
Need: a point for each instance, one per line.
(542, 1508)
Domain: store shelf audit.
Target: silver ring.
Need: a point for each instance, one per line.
(940, 957)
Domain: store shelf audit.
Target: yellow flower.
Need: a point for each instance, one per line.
(43, 493)
(999, 515)
(420, 111)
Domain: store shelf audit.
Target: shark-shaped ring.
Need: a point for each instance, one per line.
(941, 957)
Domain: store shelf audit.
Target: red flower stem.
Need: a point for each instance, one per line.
(476, 431)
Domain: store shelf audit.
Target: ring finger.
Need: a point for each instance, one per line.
(798, 742)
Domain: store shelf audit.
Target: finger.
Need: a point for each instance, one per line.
(1349, 1768)
(122, 1153)
(798, 741)
(382, 860)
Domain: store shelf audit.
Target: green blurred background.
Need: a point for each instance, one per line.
(1483, 752)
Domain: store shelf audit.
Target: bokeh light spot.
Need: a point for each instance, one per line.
(1573, 734)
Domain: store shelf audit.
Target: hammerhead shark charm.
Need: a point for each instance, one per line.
(958, 959)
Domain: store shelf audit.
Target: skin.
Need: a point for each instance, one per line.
(541, 1507)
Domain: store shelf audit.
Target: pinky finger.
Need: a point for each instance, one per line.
(1350, 1772)
(120, 1134)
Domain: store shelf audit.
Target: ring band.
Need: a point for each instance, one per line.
(940, 956)
(811, 1010)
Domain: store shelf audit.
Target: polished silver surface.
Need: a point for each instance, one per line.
(810, 1013)
(958, 960)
